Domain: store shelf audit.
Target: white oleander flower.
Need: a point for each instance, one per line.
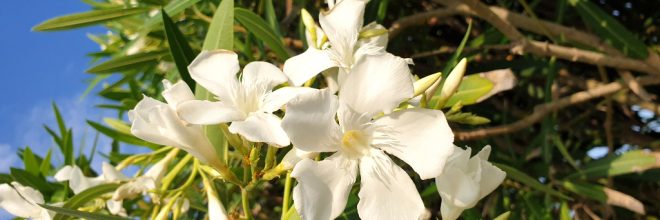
(248, 104)
(23, 201)
(466, 180)
(141, 185)
(420, 137)
(158, 122)
(78, 182)
(342, 25)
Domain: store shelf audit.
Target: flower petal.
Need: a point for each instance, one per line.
(491, 176)
(207, 112)
(276, 99)
(261, 73)
(310, 122)
(20, 200)
(176, 93)
(458, 192)
(111, 174)
(342, 25)
(323, 186)
(377, 84)
(159, 124)
(261, 127)
(424, 139)
(64, 173)
(304, 66)
(115, 207)
(386, 191)
(216, 71)
(294, 156)
(78, 182)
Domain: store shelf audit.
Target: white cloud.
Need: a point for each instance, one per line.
(75, 113)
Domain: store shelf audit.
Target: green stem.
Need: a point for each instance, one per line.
(246, 203)
(287, 194)
(270, 157)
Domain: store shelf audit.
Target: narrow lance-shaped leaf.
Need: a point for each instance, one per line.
(84, 197)
(119, 136)
(610, 29)
(261, 29)
(180, 50)
(45, 165)
(81, 214)
(518, 175)
(86, 18)
(128, 62)
(629, 162)
(30, 162)
(220, 35)
(605, 195)
(172, 8)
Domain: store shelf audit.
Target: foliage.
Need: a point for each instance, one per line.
(548, 164)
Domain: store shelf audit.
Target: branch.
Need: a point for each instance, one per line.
(506, 22)
(418, 19)
(540, 111)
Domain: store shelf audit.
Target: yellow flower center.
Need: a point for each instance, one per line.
(355, 143)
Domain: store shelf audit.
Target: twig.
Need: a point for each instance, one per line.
(542, 110)
(446, 49)
(418, 19)
(507, 22)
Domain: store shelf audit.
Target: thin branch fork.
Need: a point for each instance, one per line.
(540, 111)
(507, 22)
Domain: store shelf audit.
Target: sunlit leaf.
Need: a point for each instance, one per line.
(635, 161)
(86, 18)
(128, 62)
(605, 195)
(81, 214)
(85, 197)
(119, 136)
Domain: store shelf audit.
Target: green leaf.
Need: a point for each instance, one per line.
(519, 176)
(292, 214)
(128, 62)
(5, 178)
(84, 197)
(629, 162)
(81, 214)
(58, 117)
(605, 195)
(45, 166)
(503, 216)
(27, 179)
(86, 18)
(67, 142)
(118, 125)
(271, 17)
(607, 27)
(260, 28)
(469, 91)
(119, 136)
(30, 162)
(180, 50)
(220, 34)
(172, 8)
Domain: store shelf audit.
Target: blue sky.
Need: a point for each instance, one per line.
(38, 68)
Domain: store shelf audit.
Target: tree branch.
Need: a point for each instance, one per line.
(540, 111)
